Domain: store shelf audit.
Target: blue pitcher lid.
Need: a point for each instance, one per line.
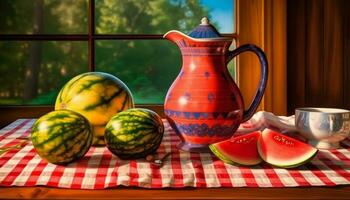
(204, 30)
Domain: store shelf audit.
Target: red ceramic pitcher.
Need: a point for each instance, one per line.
(204, 105)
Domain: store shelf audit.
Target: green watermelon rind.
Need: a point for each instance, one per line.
(228, 160)
(63, 100)
(152, 150)
(235, 159)
(84, 145)
(218, 154)
(152, 125)
(276, 164)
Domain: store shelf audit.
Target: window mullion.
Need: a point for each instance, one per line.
(91, 34)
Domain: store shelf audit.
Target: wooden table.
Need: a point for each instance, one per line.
(339, 192)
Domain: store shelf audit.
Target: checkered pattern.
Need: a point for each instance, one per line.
(100, 169)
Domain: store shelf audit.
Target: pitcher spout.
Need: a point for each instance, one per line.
(176, 36)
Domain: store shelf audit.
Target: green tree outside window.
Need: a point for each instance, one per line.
(32, 72)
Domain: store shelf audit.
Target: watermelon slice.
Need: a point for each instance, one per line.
(238, 150)
(283, 151)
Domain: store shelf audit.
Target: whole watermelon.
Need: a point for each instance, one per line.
(97, 96)
(62, 136)
(134, 133)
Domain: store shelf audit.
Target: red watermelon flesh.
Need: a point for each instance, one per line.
(283, 151)
(238, 150)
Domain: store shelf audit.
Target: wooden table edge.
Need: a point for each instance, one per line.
(41, 192)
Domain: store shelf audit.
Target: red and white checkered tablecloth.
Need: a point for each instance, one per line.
(99, 169)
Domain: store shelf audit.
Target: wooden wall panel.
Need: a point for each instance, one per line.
(346, 54)
(296, 28)
(275, 45)
(314, 53)
(249, 30)
(263, 23)
(333, 52)
(318, 53)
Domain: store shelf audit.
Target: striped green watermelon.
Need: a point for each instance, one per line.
(97, 96)
(62, 136)
(134, 133)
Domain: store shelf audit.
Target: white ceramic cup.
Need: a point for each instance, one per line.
(323, 127)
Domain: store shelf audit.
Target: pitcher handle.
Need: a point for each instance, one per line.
(263, 76)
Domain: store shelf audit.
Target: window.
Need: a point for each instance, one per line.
(44, 43)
